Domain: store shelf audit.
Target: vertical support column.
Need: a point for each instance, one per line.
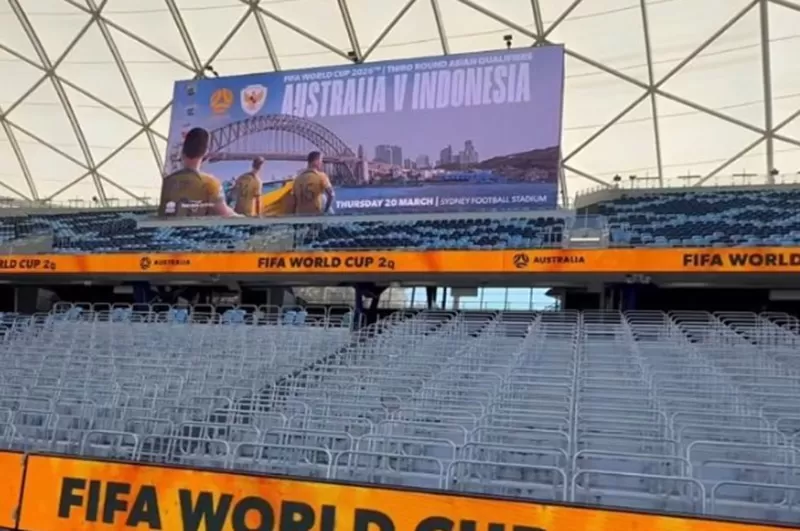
(562, 181)
(538, 21)
(358, 307)
(351, 29)
(26, 299)
(437, 14)
(141, 292)
(275, 295)
(651, 89)
(8, 298)
(430, 297)
(611, 296)
(766, 72)
(629, 296)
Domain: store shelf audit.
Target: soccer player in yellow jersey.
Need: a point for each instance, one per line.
(312, 190)
(189, 192)
(247, 190)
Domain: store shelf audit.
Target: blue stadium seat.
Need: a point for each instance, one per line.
(289, 317)
(94, 232)
(178, 315)
(235, 316)
(121, 315)
(737, 218)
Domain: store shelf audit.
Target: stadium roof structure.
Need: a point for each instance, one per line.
(673, 92)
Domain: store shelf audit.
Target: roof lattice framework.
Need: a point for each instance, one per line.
(672, 91)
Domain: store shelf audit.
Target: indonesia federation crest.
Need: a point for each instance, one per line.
(253, 98)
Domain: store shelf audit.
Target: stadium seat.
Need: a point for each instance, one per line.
(737, 218)
(117, 232)
(681, 412)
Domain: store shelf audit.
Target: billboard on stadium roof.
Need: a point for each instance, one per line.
(479, 131)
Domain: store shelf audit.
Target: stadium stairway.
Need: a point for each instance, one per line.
(279, 389)
(278, 239)
(284, 387)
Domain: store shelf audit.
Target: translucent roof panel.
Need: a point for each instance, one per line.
(673, 92)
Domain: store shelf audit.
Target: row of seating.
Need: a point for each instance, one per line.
(686, 412)
(165, 313)
(708, 219)
(121, 234)
(679, 219)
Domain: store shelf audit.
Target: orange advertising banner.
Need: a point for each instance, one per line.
(63, 494)
(12, 469)
(738, 260)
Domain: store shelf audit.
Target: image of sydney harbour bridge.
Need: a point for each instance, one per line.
(286, 138)
(289, 139)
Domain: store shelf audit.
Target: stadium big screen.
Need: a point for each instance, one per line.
(467, 132)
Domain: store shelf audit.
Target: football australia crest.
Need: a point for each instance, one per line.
(253, 98)
(221, 100)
